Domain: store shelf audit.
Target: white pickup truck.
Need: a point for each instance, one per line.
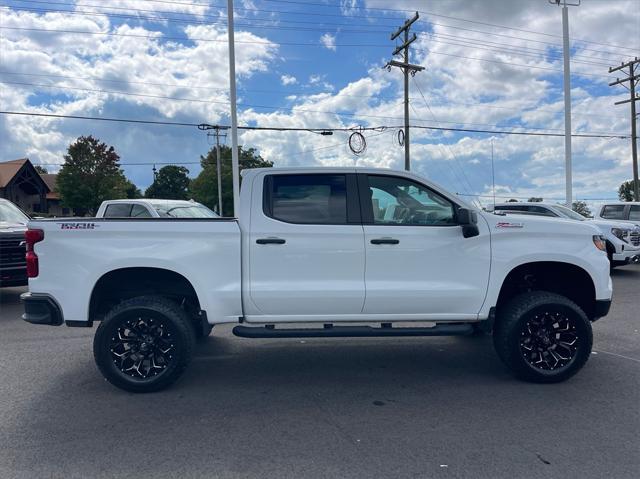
(329, 252)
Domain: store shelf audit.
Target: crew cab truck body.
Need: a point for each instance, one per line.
(320, 253)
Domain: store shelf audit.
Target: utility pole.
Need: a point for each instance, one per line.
(217, 129)
(633, 80)
(567, 98)
(493, 177)
(407, 68)
(234, 115)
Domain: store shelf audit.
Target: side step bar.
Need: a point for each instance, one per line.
(330, 331)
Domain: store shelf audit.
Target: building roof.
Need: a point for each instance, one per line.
(8, 170)
(50, 180)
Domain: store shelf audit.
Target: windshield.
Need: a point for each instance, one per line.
(568, 213)
(10, 213)
(183, 210)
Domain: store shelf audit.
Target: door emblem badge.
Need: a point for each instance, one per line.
(506, 224)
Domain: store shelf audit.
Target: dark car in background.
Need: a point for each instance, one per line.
(13, 265)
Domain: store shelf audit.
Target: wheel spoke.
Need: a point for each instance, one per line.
(141, 348)
(549, 341)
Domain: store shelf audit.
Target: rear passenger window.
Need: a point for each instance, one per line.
(307, 199)
(139, 211)
(118, 210)
(634, 213)
(613, 212)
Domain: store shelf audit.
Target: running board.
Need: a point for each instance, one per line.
(330, 331)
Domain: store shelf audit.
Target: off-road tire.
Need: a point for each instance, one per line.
(510, 335)
(166, 316)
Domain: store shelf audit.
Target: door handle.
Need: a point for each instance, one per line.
(271, 241)
(385, 241)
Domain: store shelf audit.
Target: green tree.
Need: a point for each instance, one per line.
(131, 191)
(204, 188)
(512, 200)
(582, 208)
(171, 183)
(41, 169)
(91, 174)
(625, 192)
(535, 199)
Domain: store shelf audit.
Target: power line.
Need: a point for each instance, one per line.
(318, 45)
(269, 26)
(457, 161)
(300, 92)
(307, 4)
(350, 129)
(266, 107)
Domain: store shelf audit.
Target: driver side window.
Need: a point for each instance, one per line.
(399, 201)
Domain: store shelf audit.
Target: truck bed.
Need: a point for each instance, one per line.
(77, 252)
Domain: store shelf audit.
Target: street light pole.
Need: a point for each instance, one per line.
(234, 116)
(567, 98)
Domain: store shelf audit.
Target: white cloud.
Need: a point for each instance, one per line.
(349, 7)
(140, 77)
(329, 41)
(288, 80)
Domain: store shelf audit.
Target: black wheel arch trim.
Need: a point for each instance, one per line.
(41, 309)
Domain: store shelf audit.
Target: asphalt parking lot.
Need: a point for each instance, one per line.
(416, 407)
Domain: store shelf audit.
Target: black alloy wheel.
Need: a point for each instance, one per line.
(549, 341)
(542, 336)
(142, 347)
(144, 344)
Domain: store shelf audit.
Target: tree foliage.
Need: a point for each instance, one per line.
(41, 170)
(582, 208)
(91, 174)
(535, 199)
(625, 192)
(204, 188)
(171, 183)
(131, 191)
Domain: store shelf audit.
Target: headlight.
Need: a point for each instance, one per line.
(620, 233)
(599, 242)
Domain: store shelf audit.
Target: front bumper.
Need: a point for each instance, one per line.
(41, 309)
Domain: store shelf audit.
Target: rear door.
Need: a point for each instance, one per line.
(306, 246)
(418, 262)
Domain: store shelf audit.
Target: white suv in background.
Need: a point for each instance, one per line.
(623, 239)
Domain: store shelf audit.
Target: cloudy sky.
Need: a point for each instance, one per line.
(490, 65)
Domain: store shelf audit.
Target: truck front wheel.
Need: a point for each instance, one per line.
(144, 344)
(543, 337)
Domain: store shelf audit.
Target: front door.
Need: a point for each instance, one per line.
(417, 261)
(306, 248)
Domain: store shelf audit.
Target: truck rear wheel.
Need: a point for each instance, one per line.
(144, 344)
(543, 337)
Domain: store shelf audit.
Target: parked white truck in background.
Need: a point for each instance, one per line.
(628, 212)
(622, 239)
(322, 253)
(153, 208)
